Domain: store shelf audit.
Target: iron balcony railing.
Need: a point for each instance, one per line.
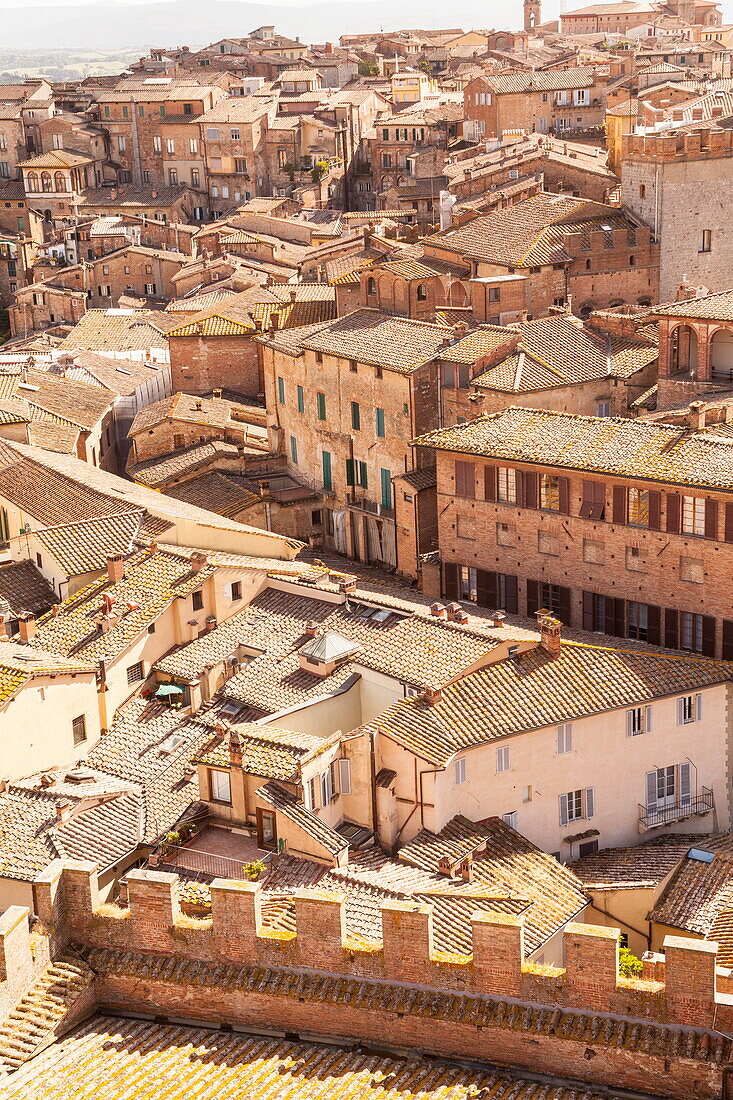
(652, 817)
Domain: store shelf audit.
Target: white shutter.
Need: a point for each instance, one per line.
(560, 740)
(563, 809)
(680, 712)
(345, 775)
(698, 707)
(590, 801)
(629, 723)
(324, 789)
(648, 719)
(685, 782)
(651, 790)
(307, 796)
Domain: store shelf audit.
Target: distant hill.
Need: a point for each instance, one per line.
(178, 22)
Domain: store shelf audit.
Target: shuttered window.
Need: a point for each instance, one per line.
(321, 405)
(577, 804)
(593, 504)
(564, 739)
(300, 400)
(499, 591)
(344, 766)
(554, 597)
(502, 759)
(668, 786)
(605, 614)
(355, 416)
(379, 423)
(506, 484)
(689, 709)
(459, 771)
(638, 507)
(466, 480)
(693, 515)
(638, 720)
(327, 473)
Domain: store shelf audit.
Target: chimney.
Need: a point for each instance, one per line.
(466, 869)
(550, 632)
(211, 623)
(63, 812)
(347, 586)
(115, 567)
(293, 295)
(696, 416)
(217, 394)
(431, 695)
(27, 626)
(311, 629)
(154, 194)
(498, 618)
(438, 611)
(235, 749)
(198, 560)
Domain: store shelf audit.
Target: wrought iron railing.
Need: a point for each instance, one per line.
(652, 817)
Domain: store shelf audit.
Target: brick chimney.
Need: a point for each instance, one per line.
(347, 585)
(431, 695)
(550, 632)
(498, 618)
(235, 749)
(439, 611)
(696, 416)
(63, 812)
(198, 560)
(311, 629)
(115, 567)
(27, 626)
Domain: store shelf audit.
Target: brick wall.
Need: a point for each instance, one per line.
(624, 1033)
(200, 364)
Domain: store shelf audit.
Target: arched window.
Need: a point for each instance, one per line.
(422, 292)
(59, 182)
(632, 261)
(721, 354)
(32, 181)
(371, 286)
(46, 182)
(683, 351)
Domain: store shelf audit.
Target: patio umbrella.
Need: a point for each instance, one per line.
(165, 690)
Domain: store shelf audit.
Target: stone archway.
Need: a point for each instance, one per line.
(721, 354)
(683, 351)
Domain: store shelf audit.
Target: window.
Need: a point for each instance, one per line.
(502, 759)
(170, 146)
(638, 720)
(234, 134)
(135, 673)
(577, 804)
(506, 484)
(385, 478)
(293, 449)
(459, 771)
(693, 515)
(668, 786)
(422, 292)
(386, 160)
(326, 468)
(150, 288)
(344, 772)
(321, 405)
(236, 591)
(221, 787)
(603, 408)
(79, 729)
(326, 788)
(212, 133)
(371, 286)
(691, 632)
(195, 178)
(510, 819)
(550, 492)
(157, 145)
(355, 416)
(637, 621)
(197, 599)
(280, 390)
(379, 423)
(377, 372)
(707, 240)
(122, 143)
(593, 504)
(638, 507)
(689, 709)
(564, 739)
(193, 145)
(465, 480)
(173, 176)
(642, 190)
(300, 399)
(310, 790)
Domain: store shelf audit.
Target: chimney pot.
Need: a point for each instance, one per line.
(347, 585)
(696, 416)
(311, 629)
(235, 750)
(498, 618)
(27, 626)
(550, 632)
(431, 695)
(438, 611)
(198, 560)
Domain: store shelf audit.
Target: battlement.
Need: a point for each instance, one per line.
(67, 901)
(668, 146)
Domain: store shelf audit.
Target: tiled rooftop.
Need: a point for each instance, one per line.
(614, 446)
(711, 307)
(157, 471)
(372, 337)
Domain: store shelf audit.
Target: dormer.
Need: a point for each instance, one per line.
(323, 654)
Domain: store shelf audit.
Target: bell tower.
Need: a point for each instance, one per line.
(531, 14)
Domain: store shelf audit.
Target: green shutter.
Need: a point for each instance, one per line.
(386, 479)
(294, 448)
(327, 479)
(355, 416)
(321, 405)
(380, 422)
(281, 390)
(301, 403)
(349, 471)
(363, 475)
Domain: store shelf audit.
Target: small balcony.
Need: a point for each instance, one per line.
(697, 805)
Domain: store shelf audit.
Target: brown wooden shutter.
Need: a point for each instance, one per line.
(588, 616)
(450, 580)
(563, 487)
(711, 519)
(470, 477)
(620, 496)
(460, 479)
(533, 597)
(708, 636)
(673, 513)
(654, 625)
(671, 628)
(655, 510)
(727, 640)
(530, 490)
(512, 594)
(486, 593)
(490, 475)
(728, 533)
(563, 605)
(615, 623)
